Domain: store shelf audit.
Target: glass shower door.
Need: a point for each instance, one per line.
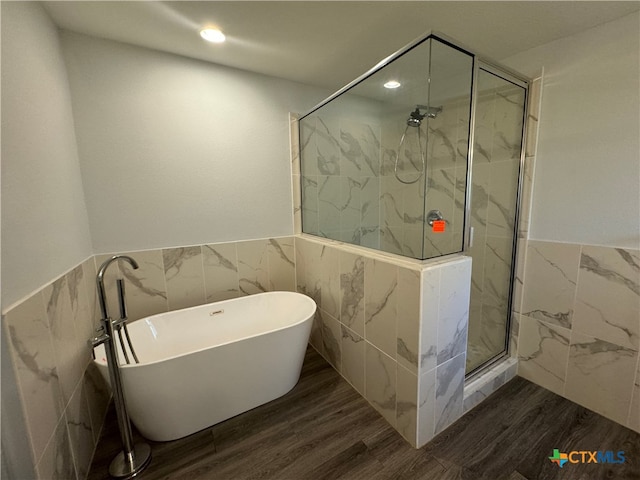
(495, 175)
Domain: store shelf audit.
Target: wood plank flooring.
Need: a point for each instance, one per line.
(324, 430)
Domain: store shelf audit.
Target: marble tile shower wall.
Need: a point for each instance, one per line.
(63, 396)
(395, 331)
(340, 185)
(580, 326)
(402, 205)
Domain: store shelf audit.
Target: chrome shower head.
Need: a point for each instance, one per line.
(415, 118)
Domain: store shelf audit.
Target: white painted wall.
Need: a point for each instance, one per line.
(45, 229)
(587, 178)
(176, 151)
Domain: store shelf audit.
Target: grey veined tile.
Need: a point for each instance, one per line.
(449, 392)
(550, 282)
(253, 266)
(543, 352)
(353, 350)
(634, 412)
(380, 290)
(352, 291)
(220, 263)
(36, 371)
(184, 276)
(380, 382)
(600, 376)
(608, 296)
(282, 274)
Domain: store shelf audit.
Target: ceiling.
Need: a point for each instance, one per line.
(329, 43)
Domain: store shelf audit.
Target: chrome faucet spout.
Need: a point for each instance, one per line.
(102, 294)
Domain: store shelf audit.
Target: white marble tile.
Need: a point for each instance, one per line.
(550, 281)
(35, 366)
(57, 459)
(294, 143)
(184, 276)
(479, 394)
(370, 202)
(380, 382)
(543, 352)
(330, 280)
(80, 431)
(408, 322)
(220, 265)
(329, 204)
(308, 148)
(497, 270)
(535, 92)
(380, 297)
(98, 395)
(600, 376)
(146, 292)
(518, 280)
(406, 404)
(282, 274)
(327, 154)
(527, 196)
(608, 297)
(359, 148)
(449, 392)
(332, 340)
(81, 312)
(352, 278)
(507, 127)
(426, 406)
(89, 273)
(429, 309)
(296, 187)
(453, 312)
(353, 355)
(633, 421)
(70, 359)
(253, 266)
(309, 206)
(315, 337)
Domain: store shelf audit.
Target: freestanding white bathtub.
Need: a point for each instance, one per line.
(202, 365)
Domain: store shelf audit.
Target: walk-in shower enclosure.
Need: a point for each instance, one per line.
(421, 157)
(376, 160)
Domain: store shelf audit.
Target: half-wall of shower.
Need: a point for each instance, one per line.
(387, 163)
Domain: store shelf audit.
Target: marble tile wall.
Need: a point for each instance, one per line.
(63, 396)
(402, 205)
(579, 325)
(173, 278)
(340, 166)
(394, 329)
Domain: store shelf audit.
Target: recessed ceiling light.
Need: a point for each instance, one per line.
(212, 35)
(392, 84)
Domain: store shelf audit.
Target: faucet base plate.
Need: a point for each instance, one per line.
(128, 466)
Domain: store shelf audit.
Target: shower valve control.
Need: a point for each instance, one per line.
(434, 215)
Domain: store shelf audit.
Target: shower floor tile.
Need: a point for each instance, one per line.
(323, 429)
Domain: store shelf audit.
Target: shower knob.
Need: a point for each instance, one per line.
(434, 215)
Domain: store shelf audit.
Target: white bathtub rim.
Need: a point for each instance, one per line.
(101, 353)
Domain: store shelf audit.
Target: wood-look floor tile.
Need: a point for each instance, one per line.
(323, 429)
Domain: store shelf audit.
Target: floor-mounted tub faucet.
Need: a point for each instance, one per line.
(133, 458)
